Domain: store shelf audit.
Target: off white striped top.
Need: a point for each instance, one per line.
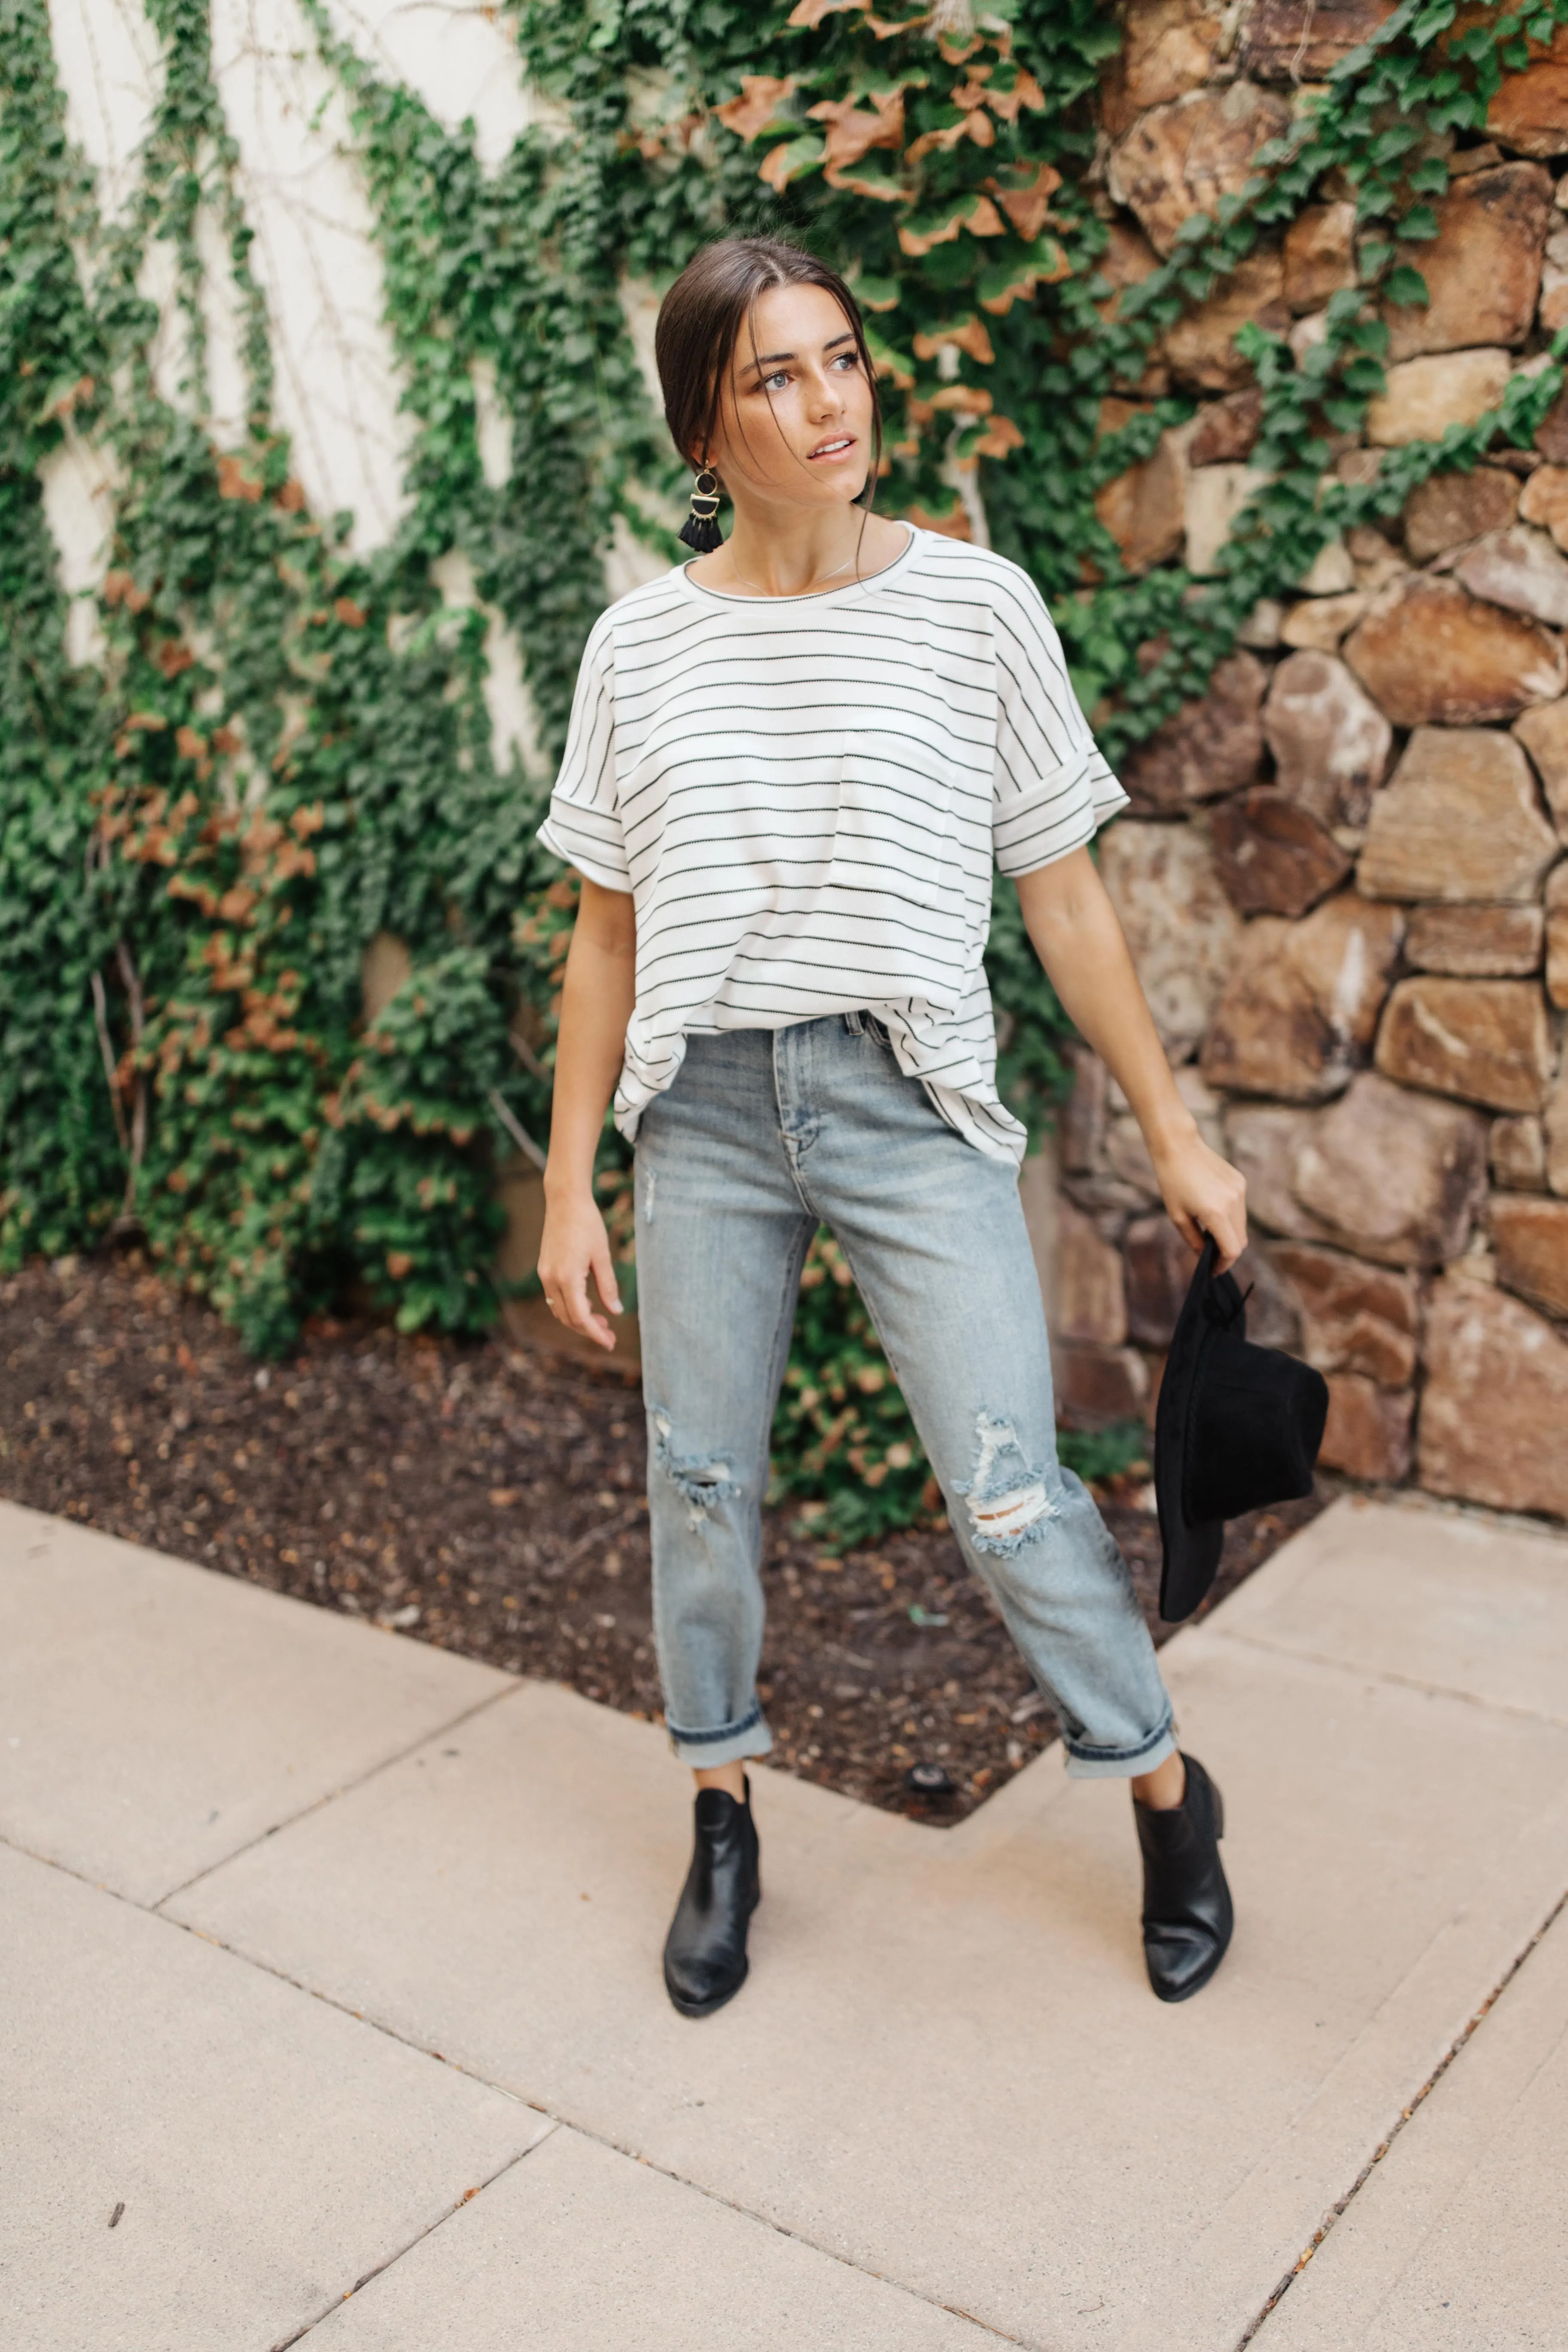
(805, 795)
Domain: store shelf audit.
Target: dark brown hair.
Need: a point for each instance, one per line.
(701, 321)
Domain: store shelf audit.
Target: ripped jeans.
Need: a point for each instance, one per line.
(764, 1135)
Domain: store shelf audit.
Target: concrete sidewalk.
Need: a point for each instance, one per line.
(333, 2009)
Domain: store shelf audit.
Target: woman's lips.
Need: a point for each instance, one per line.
(840, 446)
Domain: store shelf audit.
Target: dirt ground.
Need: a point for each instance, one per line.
(488, 1499)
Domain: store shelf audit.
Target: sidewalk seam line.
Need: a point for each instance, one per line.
(418, 2238)
(343, 1789)
(1404, 2118)
(750, 2213)
(709, 2195)
(1388, 1675)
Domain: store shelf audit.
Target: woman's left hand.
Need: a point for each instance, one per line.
(1205, 1194)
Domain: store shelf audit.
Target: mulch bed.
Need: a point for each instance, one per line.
(488, 1499)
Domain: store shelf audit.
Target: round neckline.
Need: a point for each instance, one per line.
(809, 595)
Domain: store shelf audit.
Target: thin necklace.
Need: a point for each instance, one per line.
(797, 592)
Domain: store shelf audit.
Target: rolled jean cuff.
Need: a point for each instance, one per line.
(730, 1744)
(1085, 1763)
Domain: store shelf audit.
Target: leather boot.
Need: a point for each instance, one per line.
(705, 1952)
(1187, 1914)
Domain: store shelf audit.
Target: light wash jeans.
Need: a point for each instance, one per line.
(764, 1135)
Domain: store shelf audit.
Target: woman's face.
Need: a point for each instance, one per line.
(795, 419)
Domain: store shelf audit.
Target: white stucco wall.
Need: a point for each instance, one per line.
(338, 386)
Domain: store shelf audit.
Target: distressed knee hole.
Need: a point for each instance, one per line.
(701, 1482)
(1014, 1514)
(1009, 1502)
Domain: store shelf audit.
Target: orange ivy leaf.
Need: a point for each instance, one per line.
(1028, 207)
(931, 142)
(1000, 437)
(787, 162)
(810, 13)
(852, 132)
(1025, 91)
(760, 96)
(980, 218)
(884, 191)
(182, 885)
(918, 243)
(233, 482)
(964, 399)
(999, 288)
(954, 524)
(969, 336)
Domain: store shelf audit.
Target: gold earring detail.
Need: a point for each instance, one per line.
(700, 529)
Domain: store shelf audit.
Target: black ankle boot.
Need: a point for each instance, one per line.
(1187, 1916)
(705, 1952)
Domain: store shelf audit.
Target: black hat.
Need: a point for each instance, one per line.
(1238, 1426)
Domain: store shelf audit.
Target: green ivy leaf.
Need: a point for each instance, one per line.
(1406, 287)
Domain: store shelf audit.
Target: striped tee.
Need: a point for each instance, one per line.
(804, 796)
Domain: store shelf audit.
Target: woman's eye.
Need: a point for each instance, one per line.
(847, 361)
(776, 382)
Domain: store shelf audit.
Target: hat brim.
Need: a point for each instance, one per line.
(1190, 1549)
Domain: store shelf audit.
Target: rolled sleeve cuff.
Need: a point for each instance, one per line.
(1061, 815)
(573, 854)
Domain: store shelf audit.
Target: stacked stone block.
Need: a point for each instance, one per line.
(1344, 876)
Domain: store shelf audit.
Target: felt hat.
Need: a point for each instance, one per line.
(1238, 1426)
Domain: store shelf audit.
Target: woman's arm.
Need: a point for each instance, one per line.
(1078, 937)
(596, 1001)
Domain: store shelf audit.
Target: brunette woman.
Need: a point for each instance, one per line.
(793, 763)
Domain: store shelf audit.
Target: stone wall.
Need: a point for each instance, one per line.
(1343, 875)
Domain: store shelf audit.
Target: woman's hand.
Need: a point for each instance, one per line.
(1204, 1194)
(576, 1245)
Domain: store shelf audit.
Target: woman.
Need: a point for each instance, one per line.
(791, 765)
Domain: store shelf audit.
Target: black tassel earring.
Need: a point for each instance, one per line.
(700, 529)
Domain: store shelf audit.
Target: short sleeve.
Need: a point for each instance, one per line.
(1053, 788)
(583, 826)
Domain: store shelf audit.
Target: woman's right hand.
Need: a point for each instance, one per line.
(576, 1244)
